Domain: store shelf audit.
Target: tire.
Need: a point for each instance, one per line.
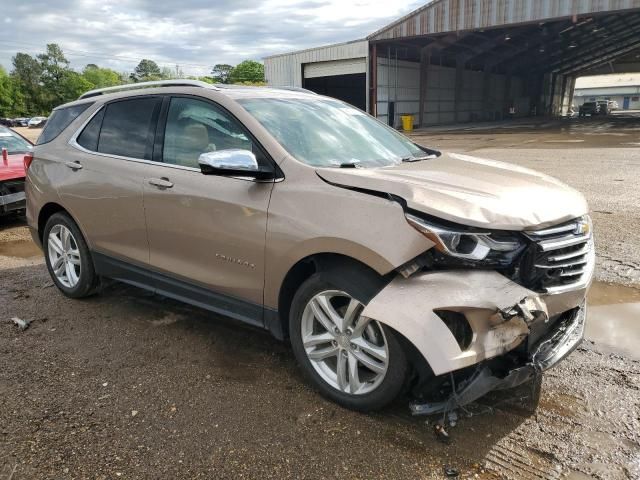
(60, 257)
(375, 344)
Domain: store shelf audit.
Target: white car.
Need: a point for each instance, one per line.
(36, 122)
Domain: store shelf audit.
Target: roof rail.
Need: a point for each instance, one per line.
(157, 83)
(296, 89)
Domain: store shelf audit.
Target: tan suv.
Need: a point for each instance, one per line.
(388, 265)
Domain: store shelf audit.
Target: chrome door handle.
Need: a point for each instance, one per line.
(74, 165)
(161, 182)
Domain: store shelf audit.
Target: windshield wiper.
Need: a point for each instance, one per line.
(350, 165)
(431, 156)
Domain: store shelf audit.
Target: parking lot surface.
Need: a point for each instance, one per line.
(132, 385)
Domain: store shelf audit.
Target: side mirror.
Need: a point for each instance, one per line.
(233, 163)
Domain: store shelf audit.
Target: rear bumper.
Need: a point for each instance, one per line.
(12, 202)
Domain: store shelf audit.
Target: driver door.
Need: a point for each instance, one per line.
(206, 233)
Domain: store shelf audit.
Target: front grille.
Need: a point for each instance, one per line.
(558, 259)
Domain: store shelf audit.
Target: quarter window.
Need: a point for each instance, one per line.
(89, 136)
(195, 127)
(60, 119)
(128, 128)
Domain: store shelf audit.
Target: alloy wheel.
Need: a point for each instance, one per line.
(348, 351)
(64, 256)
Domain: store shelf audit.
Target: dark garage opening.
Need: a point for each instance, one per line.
(350, 88)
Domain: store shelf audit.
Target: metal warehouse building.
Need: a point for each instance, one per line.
(471, 60)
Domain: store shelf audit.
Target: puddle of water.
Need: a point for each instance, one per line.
(614, 317)
(20, 249)
(602, 293)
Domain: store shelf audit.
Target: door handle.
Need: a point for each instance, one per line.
(74, 165)
(161, 183)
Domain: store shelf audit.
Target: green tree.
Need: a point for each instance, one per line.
(247, 71)
(11, 99)
(26, 76)
(54, 72)
(72, 85)
(221, 73)
(146, 70)
(101, 77)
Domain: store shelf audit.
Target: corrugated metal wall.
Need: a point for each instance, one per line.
(286, 70)
(403, 89)
(454, 15)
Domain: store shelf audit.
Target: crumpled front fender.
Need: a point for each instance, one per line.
(498, 311)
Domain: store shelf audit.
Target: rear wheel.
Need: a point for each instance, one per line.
(353, 360)
(68, 258)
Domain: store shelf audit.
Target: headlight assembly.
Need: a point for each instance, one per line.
(458, 243)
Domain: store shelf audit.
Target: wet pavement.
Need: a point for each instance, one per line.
(614, 318)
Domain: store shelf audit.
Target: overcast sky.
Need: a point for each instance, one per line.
(195, 34)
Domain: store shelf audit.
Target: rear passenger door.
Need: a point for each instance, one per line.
(104, 178)
(206, 233)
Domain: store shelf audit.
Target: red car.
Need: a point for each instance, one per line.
(13, 148)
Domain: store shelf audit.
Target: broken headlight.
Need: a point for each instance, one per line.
(466, 244)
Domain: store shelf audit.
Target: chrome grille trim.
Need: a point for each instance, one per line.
(563, 265)
(564, 258)
(568, 256)
(555, 244)
(553, 230)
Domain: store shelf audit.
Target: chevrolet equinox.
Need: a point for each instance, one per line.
(390, 267)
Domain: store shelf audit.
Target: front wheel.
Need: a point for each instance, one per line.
(355, 361)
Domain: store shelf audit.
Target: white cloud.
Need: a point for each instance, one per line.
(193, 33)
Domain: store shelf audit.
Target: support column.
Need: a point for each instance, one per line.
(486, 91)
(425, 61)
(507, 98)
(373, 82)
(458, 88)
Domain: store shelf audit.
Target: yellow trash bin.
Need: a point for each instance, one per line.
(407, 122)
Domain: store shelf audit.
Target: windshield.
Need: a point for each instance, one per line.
(328, 133)
(13, 142)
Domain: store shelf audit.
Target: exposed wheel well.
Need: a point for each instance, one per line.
(306, 267)
(421, 373)
(45, 213)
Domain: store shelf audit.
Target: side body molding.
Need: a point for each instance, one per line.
(498, 310)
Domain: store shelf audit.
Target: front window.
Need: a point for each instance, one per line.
(328, 133)
(195, 127)
(13, 142)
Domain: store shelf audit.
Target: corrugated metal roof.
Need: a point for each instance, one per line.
(441, 16)
(609, 81)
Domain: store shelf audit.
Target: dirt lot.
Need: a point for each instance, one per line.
(131, 385)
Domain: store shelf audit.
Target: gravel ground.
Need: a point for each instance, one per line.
(131, 385)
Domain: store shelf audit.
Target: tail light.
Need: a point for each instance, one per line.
(28, 158)
(5, 157)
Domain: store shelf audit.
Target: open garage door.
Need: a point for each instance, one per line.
(342, 79)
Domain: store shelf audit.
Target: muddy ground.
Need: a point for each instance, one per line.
(131, 385)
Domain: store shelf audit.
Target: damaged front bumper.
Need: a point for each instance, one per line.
(551, 349)
(462, 319)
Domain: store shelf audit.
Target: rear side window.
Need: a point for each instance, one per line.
(128, 128)
(59, 120)
(89, 136)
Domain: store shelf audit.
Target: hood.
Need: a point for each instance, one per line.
(14, 170)
(471, 191)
